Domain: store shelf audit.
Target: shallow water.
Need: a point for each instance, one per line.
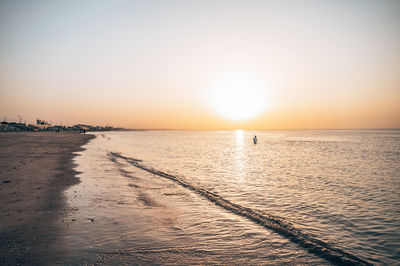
(336, 188)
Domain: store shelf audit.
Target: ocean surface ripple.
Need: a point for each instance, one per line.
(275, 223)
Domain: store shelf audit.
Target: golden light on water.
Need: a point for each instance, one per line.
(239, 97)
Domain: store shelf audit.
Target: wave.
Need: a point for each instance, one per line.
(277, 224)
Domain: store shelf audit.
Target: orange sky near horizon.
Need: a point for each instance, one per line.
(159, 64)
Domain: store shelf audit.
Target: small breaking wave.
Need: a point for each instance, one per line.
(275, 223)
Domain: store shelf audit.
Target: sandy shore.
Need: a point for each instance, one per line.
(35, 169)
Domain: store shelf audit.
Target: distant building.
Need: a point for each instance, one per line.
(42, 124)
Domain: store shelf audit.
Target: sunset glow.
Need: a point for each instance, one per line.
(239, 97)
(202, 65)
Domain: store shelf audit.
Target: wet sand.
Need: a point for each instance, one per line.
(35, 170)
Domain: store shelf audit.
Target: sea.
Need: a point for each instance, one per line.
(298, 197)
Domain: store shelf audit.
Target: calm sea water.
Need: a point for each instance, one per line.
(297, 197)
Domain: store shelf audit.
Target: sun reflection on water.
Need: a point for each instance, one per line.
(239, 153)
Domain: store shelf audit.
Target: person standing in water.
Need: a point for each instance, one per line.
(255, 139)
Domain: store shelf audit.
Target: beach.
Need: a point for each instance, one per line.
(199, 197)
(35, 169)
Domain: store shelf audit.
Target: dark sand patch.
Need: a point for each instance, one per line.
(35, 170)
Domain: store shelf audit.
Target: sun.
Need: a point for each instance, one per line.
(238, 97)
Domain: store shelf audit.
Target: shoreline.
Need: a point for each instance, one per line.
(35, 169)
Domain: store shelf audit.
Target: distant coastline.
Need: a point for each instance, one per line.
(45, 126)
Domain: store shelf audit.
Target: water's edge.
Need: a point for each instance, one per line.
(275, 223)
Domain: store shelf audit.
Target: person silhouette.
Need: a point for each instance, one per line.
(255, 139)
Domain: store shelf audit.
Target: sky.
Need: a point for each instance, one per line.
(202, 64)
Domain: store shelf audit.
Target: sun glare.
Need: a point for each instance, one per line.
(238, 97)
